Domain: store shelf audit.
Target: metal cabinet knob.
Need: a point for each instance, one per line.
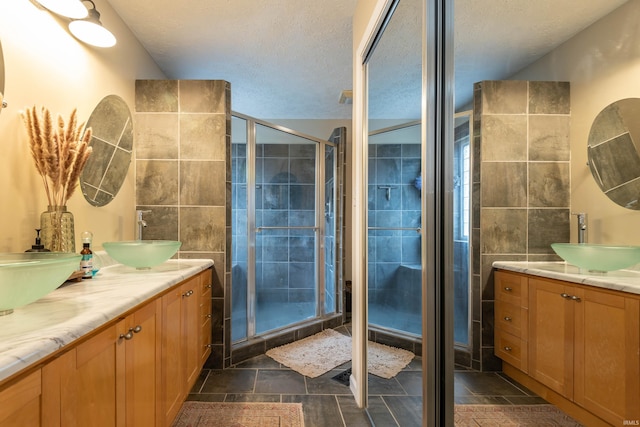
(507, 348)
(508, 289)
(188, 293)
(564, 295)
(507, 318)
(126, 336)
(136, 329)
(575, 298)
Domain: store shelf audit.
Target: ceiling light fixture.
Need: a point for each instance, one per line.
(73, 9)
(90, 29)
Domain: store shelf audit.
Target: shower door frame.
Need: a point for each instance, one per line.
(437, 129)
(319, 228)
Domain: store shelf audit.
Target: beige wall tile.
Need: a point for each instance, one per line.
(162, 223)
(549, 184)
(549, 98)
(549, 138)
(156, 182)
(156, 95)
(547, 226)
(504, 184)
(203, 96)
(202, 183)
(203, 229)
(203, 136)
(504, 97)
(504, 231)
(504, 137)
(156, 136)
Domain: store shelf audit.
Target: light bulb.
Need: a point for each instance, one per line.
(92, 33)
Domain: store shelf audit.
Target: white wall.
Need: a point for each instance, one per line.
(603, 65)
(46, 66)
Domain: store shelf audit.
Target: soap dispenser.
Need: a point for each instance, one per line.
(86, 263)
(38, 247)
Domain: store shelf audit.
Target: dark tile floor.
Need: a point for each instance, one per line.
(329, 403)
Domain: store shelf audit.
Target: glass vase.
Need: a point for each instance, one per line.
(57, 229)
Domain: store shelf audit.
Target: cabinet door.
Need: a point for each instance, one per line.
(20, 403)
(191, 293)
(95, 393)
(142, 365)
(172, 361)
(607, 355)
(551, 334)
(205, 316)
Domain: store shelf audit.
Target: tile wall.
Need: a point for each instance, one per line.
(521, 187)
(394, 202)
(183, 176)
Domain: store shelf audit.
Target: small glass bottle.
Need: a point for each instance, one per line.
(86, 263)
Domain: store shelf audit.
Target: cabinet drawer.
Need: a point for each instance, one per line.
(512, 319)
(511, 349)
(511, 288)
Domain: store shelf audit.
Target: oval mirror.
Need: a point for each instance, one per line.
(613, 150)
(112, 142)
(3, 103)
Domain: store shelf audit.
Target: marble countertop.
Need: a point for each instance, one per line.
(41, 328)
(619, 280)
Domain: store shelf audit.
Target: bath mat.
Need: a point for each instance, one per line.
(511, 415)
(319, 353)
(385, 361)
(239, 414)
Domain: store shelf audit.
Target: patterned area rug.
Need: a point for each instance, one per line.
(511, 415)
(239, 414)
(319, 353)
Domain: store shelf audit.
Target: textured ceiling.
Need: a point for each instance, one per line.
(291, 59)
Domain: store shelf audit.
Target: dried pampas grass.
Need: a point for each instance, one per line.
(60, 152)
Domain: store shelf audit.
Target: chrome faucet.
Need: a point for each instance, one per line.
(141, 222)
(582, 226)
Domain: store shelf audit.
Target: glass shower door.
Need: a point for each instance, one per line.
(330, 302)
(394, 262)
(286, 230)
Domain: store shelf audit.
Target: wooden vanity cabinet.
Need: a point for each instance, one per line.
(551, 334)
(206, 281)
(109, 379)
(607, 354)
(584, 345)
(142, 365)
(511, 319)
(181, 344)
(133, 371)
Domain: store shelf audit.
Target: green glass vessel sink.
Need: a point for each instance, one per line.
(598, 257)
(142, 254)
(27, 277)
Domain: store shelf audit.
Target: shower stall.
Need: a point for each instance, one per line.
(286, 227)
(394, 234)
